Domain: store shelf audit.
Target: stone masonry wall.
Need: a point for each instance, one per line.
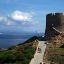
(54, 20)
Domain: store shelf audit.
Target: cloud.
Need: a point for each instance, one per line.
(2, 18)
(18, 18)
(21, 16)
(6, 21)
(10, 22)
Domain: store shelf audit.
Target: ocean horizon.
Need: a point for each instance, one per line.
(7, 40)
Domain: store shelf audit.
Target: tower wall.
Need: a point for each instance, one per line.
(54, 20)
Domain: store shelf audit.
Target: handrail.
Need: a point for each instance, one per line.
(57, 30)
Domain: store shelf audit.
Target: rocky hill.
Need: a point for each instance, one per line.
(54, 53)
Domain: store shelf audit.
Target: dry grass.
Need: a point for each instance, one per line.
(54, 54)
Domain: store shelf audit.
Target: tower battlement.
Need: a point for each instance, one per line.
(54, 14)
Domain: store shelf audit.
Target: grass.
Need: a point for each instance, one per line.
(21, 54)
(56, 55)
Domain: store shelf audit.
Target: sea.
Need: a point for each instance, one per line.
(7, 40)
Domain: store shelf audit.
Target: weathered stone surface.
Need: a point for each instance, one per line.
(54, 20)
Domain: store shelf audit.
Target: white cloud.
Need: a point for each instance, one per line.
(5, 21)
(21, 16)
(9, 22)
(2, 18)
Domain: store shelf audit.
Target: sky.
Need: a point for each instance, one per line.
(27, 15)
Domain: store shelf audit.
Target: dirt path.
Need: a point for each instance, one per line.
(38, 56)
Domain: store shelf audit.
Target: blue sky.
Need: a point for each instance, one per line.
(27, 15)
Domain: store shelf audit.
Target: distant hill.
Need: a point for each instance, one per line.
(19, 35)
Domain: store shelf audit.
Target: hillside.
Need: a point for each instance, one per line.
(20, 54)
(54, 53)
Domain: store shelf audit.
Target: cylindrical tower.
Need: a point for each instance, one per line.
(54, 24)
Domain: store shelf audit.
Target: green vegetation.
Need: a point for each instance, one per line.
(21, 54)
(56, 55)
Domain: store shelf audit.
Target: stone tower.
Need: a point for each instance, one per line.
(54, 24)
